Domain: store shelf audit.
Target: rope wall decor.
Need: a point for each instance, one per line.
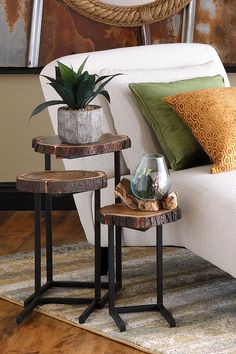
(127, 15)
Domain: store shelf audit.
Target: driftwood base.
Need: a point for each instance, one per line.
(124, 192)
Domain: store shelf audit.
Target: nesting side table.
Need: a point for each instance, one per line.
(108, 143)
(51, 183)
(122, 216)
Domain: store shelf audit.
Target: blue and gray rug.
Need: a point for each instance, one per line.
(201, 297)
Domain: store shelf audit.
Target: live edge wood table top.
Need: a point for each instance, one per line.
(52, 145)
(122, 215)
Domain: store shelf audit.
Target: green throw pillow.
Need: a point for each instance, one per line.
(176, 139)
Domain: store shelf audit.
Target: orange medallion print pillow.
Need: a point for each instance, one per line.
(211, 115)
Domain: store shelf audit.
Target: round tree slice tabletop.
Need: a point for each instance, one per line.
(61, 182)
(52, 145)
(122, 215)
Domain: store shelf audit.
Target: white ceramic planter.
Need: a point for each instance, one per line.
(81, 126)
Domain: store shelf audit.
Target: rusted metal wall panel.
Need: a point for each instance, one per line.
(215, 24)
(167, 31)
(14, 30)
(65, 32)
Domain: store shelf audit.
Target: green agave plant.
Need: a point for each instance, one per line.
(77, 89)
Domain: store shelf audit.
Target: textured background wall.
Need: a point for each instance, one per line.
(216, 24)
(19, 95)
(65, 32)
(14, 28)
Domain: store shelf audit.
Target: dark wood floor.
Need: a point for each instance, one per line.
(39, 333)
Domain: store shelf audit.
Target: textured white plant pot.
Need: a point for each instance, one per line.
(80, 126)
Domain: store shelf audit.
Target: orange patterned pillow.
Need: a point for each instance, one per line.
(211, 115)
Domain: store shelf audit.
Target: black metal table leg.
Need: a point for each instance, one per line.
(49, 260)
(37, 244)
(159, 265)
(34, 302)
(27, 310)
(111, 280)
(48, 212)
(95, 303)
(97, 247)
(47, 162)
(118, 257)
(117, 167)
(118, 228)
(159, 270)
(104, 260)
(104, 250)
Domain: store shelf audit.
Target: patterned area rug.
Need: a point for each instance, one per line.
(201, 297)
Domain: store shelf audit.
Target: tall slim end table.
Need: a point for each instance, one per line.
(108, 143)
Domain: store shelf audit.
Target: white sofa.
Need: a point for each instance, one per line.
(208, 202)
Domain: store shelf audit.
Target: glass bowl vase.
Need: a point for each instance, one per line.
(151, 180)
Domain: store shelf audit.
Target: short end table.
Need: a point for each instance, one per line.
(122, 216)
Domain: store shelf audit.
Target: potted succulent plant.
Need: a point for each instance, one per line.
(79, 122)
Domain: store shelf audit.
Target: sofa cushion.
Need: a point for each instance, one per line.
(127, 117)
(211, 115)
(175, 137)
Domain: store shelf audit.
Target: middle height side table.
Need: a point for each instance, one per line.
(108, 143)
(44, 183)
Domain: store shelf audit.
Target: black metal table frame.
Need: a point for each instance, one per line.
(115, 311)
(98, 302)
(95, 302)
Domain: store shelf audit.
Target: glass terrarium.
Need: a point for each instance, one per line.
(151, 179)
